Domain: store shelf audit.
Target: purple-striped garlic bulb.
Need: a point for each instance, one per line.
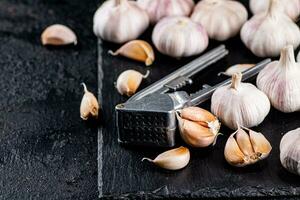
(158, 9)
(120, 21)
(179, 37)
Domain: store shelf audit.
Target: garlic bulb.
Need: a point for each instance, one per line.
(221, 19)
(129, 81)
(158, 9)
(179, 37)
(265, 34)
(89, 106)
(198, 127)
(291, 7)
(57, 35)
(279, 80)
(240, 104)
(120, 21)
(173, 159)
(290, 151)
(244, 148)
(236, 68)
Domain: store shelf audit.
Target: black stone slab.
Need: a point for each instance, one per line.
(123, 175)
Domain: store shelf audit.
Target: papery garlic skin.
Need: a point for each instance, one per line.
(290, 151)
(222, 19)
(291, 7)
(89, 106)
(265, 34)
(179, 37)
(240, 104)
(236, 68)
(158, 9)
(120, 21)
(280, 81)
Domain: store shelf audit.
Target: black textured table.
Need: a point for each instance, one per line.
(123, 175)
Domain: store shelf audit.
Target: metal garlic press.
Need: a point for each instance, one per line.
(149, 117)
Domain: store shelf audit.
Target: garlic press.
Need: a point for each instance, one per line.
(149, 117)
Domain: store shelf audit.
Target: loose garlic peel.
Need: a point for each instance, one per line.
(137, 50)
(198, 127)
(89, 105)
(236, 69)
(174, 159)
(244, 148)
(129, 81)
(57, 35)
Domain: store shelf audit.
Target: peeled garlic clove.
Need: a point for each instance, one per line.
(158, 9)
(174, 159)
(260, 144)
(222, 19)
(279, 80)
(237, 68)
(244, 142)
(129, 81)
(137, 50)
(179, 37)
(120, 21)
(233, 154)
(248, 105)
(57, 35)
(291, 7)
(89, 105)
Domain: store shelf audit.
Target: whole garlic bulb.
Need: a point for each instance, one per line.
(290, 151)
(265, 34)
(179, 37)
(291, 7)
(279, 80)
(221, 19)
(120, 21)
(240, 104)
(158, 9)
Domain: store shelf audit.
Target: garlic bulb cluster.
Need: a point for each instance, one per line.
(265, 34)
(158, 9)
(89, 106)
(58, 35)
(221, 19)
(173, 159)
(244, 148)
(198, 127)
(290, 151)
(291, 7)
(240, 104)
(120, 21)
(179, 37)
(279, 80)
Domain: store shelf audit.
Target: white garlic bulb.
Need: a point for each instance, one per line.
(179, 37)
(265, 34)
(279, 80)
(240, 104)
(120, 21)
(158, 9)
(221, 19)
(290, 151)
(291, 7)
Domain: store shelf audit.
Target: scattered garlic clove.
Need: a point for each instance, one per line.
(89, 105)
(279, 80)
(179, 37)
(222, 19)
(236, 68)
(58, 35)
(120, 21)
(174, 159)
(137, 50)
(129, 81)
(233, 154)
(198, 127)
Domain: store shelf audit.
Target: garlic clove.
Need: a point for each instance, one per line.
(244, 142)
(237, 68)
(260, 144)
(57, 35)
(137, 50)
(129, 81)
(89, 106)
(174, 159)
(197, 114)
(233, 154)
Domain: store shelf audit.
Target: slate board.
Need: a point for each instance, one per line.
(121, 173)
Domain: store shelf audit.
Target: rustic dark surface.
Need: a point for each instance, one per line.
(123, 175)
(46, 150)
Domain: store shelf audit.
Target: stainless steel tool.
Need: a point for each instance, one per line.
(149, 119)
